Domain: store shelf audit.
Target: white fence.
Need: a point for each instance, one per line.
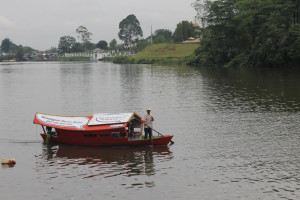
(80, 54)
(99, 55)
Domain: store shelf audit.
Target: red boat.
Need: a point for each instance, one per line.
(101, 129)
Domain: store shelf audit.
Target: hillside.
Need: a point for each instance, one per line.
(157, 51)
(161, 53)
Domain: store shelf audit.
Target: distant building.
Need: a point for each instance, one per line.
(197, 29)
(99, 54)
(192, 39)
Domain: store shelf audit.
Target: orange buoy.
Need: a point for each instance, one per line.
(8, 161)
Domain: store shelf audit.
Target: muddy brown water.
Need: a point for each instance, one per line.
(236, 132)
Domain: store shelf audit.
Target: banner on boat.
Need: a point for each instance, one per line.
(77, 122)
(110, 118)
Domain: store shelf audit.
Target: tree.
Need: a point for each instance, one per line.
(162, 36)
(113, 44)
(66, 44)
(6, 45)
(102, 44)
(84, 35)
(27, 50)
(89, 46)
(20, 53)
(77, 47)
(130, 30)
(183, 31)
(140, 45)
(249, 32)
(52, 50)
(202, 11)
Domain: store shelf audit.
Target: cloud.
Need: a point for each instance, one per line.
(6, 23)
(40, 24)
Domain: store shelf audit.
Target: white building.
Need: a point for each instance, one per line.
(99, 54)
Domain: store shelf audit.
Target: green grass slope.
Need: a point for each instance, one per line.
(158, 51)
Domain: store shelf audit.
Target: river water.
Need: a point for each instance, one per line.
(236, 132)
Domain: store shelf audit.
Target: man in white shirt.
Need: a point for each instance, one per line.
(148, 119)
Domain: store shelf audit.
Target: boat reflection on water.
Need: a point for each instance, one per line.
(87, 162)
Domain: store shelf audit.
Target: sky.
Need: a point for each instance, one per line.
(40, 23)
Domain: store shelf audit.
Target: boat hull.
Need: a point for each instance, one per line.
(82, 139)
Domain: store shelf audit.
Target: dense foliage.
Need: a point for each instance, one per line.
(113, 45)
(183, 31)
(11, 51)
(102, 44)
(249, 32)
(8, 47)
(162, 36)
(139, 46)
(66, 44)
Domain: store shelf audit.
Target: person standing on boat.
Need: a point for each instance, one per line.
(148, 119)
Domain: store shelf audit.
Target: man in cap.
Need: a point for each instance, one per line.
(148, 119)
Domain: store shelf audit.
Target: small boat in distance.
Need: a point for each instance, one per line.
(101, 129)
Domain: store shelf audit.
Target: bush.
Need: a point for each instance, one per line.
(121, 60)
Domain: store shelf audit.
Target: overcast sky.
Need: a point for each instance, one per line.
(40, 23)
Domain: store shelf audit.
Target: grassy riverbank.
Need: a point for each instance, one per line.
(160, 53)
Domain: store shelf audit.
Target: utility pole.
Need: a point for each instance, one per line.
(151, 35)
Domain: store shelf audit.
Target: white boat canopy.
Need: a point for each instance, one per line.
(60, 121)
(110, 118)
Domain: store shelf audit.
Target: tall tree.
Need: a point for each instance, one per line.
(84, 35)
(130, 30)
(20, 53)
(66, 43)
(113, 44)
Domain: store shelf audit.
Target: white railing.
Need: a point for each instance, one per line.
(80, 54)
(99, 55)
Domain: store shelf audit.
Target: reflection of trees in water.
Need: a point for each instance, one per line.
(103, 162)
(252, 89)
(130, 78)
